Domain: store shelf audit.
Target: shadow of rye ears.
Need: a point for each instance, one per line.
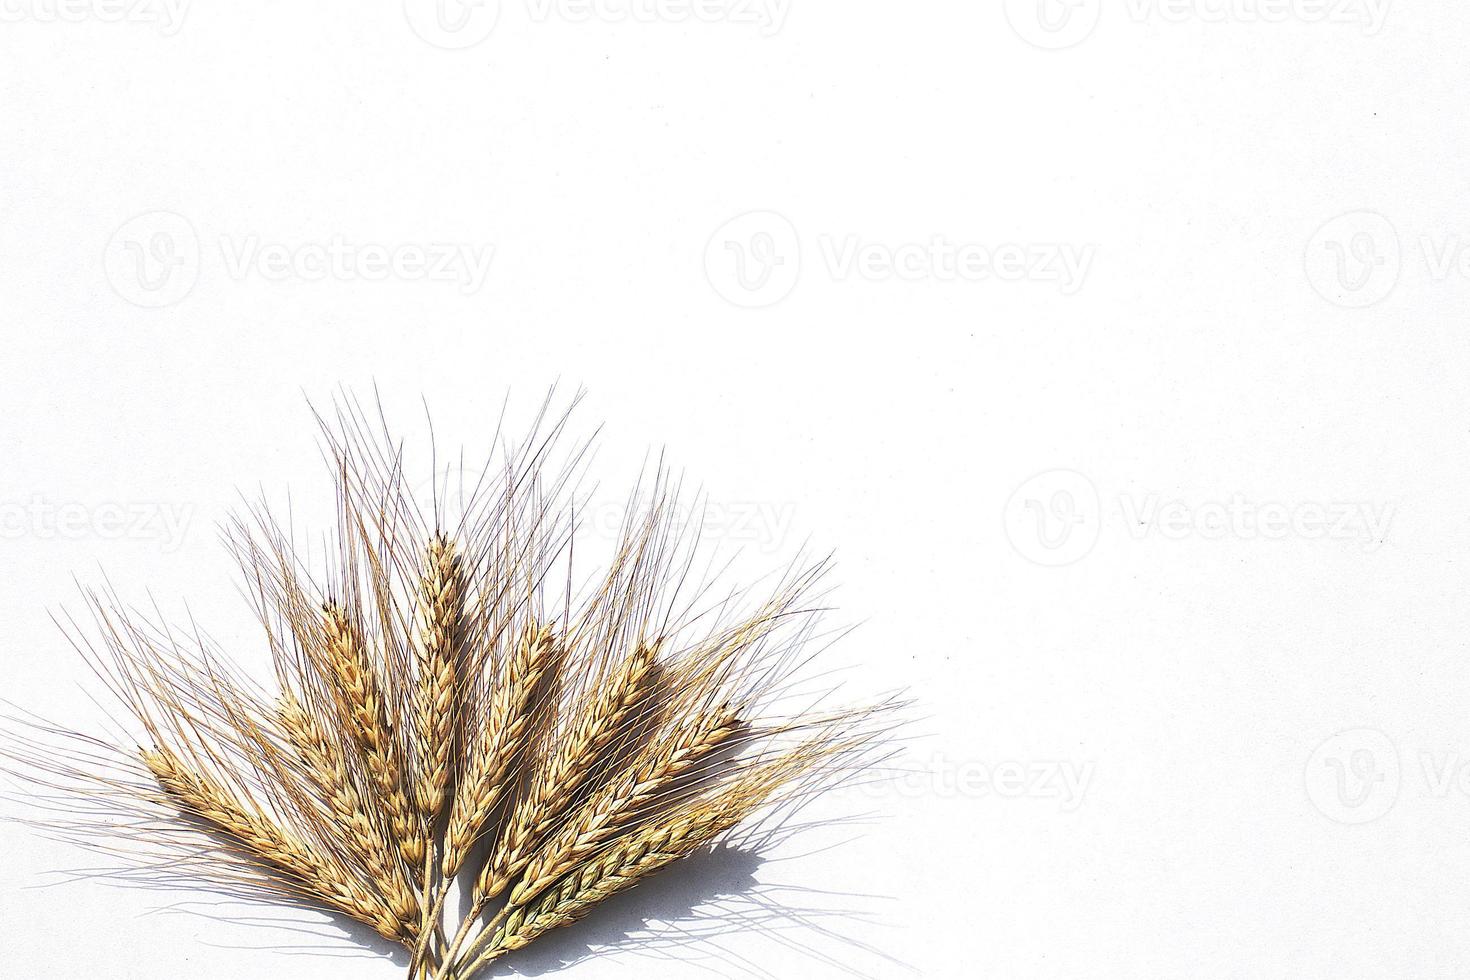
(673, 894)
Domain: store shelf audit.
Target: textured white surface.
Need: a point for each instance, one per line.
(1130, 769)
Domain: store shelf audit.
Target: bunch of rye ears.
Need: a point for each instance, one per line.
(453, 709)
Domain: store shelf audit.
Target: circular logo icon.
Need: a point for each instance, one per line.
(1054, 518)
(1354, 259)
(1054, 24)
(452, 24)
(1353, 777)
(153, 259)
(754, 260)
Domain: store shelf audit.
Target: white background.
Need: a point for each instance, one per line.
(1185, 520)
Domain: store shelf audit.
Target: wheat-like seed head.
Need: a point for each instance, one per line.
(315, 877)
(601, 720)
(693, 824)
(361, 702)
(621, 800)
(449, 678)
(357, 688)
(508, 719)
(436, 704)
(618, 869)
(322, 757)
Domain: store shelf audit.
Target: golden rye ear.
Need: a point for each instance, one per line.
(438, 660)
(506, 730)
(605, 717)
(447, 716)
